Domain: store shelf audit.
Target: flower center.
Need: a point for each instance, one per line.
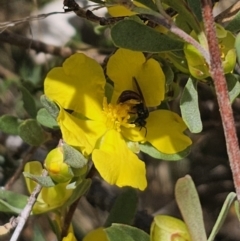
(118, 115)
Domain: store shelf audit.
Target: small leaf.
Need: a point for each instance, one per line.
(153, 152)
(233, 86)
(237, 47)
(38, 234)
(9, 124)
(79, 191)
(234, 24)
(50, 106)
(120, 232)
(195, 6)
(133, 35)
(189, 205)
(189, 106)
(222, 215)
(31, 132)
(45, 119)
(148, 3)
(72, 157)
(12, 202)
(124, 208)
(237, 209)
(43, 181)
(28, 102)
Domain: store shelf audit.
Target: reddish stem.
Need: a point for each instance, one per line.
(219, 80)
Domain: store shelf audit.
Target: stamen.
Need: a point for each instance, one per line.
(118, 115)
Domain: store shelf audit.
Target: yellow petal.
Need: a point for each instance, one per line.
(96, 235)
(151, 80)
(80, 133)
(78, 85)
(119, 11)
(70, 237)
(122, 66)
(148, 74)
(117, 164)
(134, 134)
(165, 132)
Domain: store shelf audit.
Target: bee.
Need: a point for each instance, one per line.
(139, 109)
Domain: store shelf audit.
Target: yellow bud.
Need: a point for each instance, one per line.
(169, 229)
(58, 170)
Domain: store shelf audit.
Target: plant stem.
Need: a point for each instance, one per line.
(220, 84)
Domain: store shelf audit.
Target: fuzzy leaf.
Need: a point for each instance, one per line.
(234, 24)
(45, 119)
(43, 181)
(72, 157)
(124, 208)
(50, 106)
(189, 205)
(12, 202)
(222, 215)
(189, 106)
(153, 152)
(119, 232)
(133, 35)
(31, 132)
(28, 102)
(9, 124)
(233, 86)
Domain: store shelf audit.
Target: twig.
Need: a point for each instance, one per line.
(22, 218)
(39, 46)
(5, 25)
(220, 83)
(68, 217)
(18, 172)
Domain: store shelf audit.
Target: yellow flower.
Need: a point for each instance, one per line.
(99, 128)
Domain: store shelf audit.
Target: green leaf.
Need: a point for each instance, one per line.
(189, 106)
(189, 205)
(237, 47)
(50, 106)
(12, 202)
(183, 9)
(234, 24)
(72, 157)
(233, 86)
(79, 191)
(9, 124)
(153, 152)
(124, 208)
(28, 102)
(31, 132)
(148, 3)
(195, 6)
(38, 234)
(222, 215)
(43, 181)
(45, 119)
(120, 232)
(237, 209)
(133, 35)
